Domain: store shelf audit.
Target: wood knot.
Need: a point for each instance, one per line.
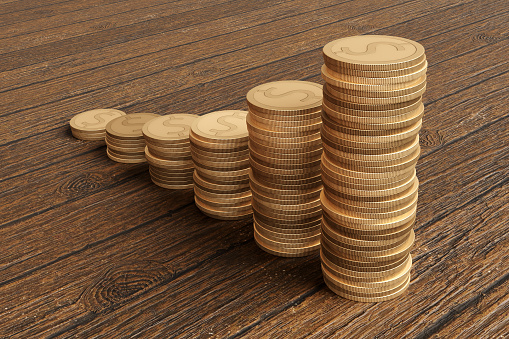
(490, 39)
(104, 25)
(206, 72)
(123, 283)
(428, 138)
(360, 27)
(81, 184)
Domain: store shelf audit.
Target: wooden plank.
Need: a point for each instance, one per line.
(229, 276)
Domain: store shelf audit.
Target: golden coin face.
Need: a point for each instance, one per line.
(286, 96)
(94, 120)
(174, 127)
(130, 125)
(221, 125)
(379, 51)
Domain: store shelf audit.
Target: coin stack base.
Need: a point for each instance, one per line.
(372, 111)
(124, 138)
(168, 150)
(285, 148)
(220, 155)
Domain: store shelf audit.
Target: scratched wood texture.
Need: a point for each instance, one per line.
(91, 249)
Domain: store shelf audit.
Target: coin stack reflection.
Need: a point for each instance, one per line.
(285, 148)
(168, 150)
(372, 110)
(124, 139)
(220, 155)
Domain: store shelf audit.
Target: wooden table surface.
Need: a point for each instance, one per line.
(91, 248)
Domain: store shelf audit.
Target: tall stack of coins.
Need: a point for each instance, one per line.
(168, 150)
(372, 111)
(91, 125)
(124, 139)
(284, 145)
(221, 158)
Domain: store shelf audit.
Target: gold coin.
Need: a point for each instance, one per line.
(88, 137)
(360, 276)
(278, 180)
(373, 53)
(298, 252)
(158, 162)
(223, 215)
(168, 129)
(379, 77)
(286, 199)
(339, 94)
(373, 123)
(217, 147)
(278, 211)
(290, 117)
(288, 185)
(283, 233)
(162, 174)
(210, 158)
(225, 204)
(126, 155)
(306, 168)
(124, 143)
(222, 166)
(296, 207)
(285, 246)
(362, 245)
(392, 89)
(281, 193)
(306, 227)
(288, 97)
(219, 188)
(288, 132)
(218, 179)
(94, 120)
(129, 126)
(292, 240)
(295, 153)
(179, 152)
(350, 288)
(124, 159)
(169, 147)
(127, 150)
(302, 141)
(225, 127)
(297, 162)
(171, 156)
(172, 187)
(220, 155)
(368, 110)
(294, 221)
(283, 125)
(220, 196)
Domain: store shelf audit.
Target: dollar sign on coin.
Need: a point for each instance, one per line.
(99, 119)
(309, 95)
(169, 123)
(222, 121)
(371, 48)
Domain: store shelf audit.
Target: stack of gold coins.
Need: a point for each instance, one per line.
(91, 125)
(221, 159)
(168, 150)
(285, 148)
(372, 111)
(124, 138)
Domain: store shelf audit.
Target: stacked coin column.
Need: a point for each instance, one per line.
(220, 155)
(124, 138)
(372, 110)
(168, 150)
(285, 148)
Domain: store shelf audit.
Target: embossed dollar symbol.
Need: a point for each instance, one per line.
(371, 48)
(128, 122)
(99, 119)
(310, 96)
(231, 127)
(182, 133)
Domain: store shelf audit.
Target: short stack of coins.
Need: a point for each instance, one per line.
(124, 138)
(221, 159)
(372, 114)
(168, 150)
(91, 125)
(284, 123)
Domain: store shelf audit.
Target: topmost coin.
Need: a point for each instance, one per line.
(172, 128)
(94, 120)
(129, 126)
(221, 127)
(288, 96)
(373, 53)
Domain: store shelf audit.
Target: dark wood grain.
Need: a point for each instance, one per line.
(91, 248)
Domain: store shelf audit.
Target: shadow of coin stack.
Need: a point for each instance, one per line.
(220, 155)
(372, 114)
(168, 150)
(124, 139)
(284, 142)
